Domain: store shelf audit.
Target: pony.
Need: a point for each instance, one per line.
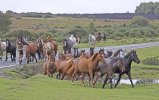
(2, 48)
(69, 43)
(91, 39)
(119, 53)
(131, 56)
(66, 61)
(31, 50)
(108, 54)
(10, 48)
(89, 66)
(98, 37)
(109, 68)
(48, 49)
(40, 44)
(49, 67)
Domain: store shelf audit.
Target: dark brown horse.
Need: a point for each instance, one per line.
(98, 37)
(89, 66)
(109, 68)
(49, 67)
(128, 59)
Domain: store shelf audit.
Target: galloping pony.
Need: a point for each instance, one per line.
(31, 49)
(91, 39)
(89, 66)
(109, 68)
(49, 67)
(128, 59)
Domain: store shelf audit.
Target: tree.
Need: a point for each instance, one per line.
(148, 8)
(5, 23)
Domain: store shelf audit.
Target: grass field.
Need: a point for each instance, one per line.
(40, 87)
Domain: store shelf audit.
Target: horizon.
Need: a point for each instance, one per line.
(72, 6)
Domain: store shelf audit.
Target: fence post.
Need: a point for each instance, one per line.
(24, 55)
(17, 56)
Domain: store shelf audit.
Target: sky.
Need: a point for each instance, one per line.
(71, 6)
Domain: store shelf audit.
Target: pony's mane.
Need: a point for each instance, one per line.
(116, 53)
(94, 56)
(127, 55)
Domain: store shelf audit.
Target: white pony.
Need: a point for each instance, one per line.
(73, 39)
(92, 39)
(3, 46)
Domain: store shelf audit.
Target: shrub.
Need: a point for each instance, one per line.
(151, 61)
(140, 21)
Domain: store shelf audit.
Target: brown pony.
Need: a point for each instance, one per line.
(48, 49)
(31, 49)
(89, 66)
(49, 67)
(65, 63)
(63, 66)
(40, 44)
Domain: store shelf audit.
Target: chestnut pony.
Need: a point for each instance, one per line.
(90, 65)
(31, 50)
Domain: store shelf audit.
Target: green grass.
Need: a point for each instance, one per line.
(41, 87)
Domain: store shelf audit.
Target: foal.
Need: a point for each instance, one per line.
(49, 67)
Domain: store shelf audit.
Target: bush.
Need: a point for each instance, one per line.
(140, 21)
(151, 61)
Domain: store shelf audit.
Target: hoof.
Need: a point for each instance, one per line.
(72, 83)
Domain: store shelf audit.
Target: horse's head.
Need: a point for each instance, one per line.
(100, 55)
(122, 53)
(134, 57)
(109, 53)
(8, 42)
(82, 52)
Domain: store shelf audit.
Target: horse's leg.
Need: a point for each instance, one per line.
(69, 50)
(63, 75)
(129, 76)
(73, 75)
(91, 75)
(11, 57)
(6, 55)
(110, 80)
(118, 79)
(83, 75)
(95, 81)
(35, 57)
(105, 81)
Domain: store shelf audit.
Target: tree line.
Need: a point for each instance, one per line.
(148, 8)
